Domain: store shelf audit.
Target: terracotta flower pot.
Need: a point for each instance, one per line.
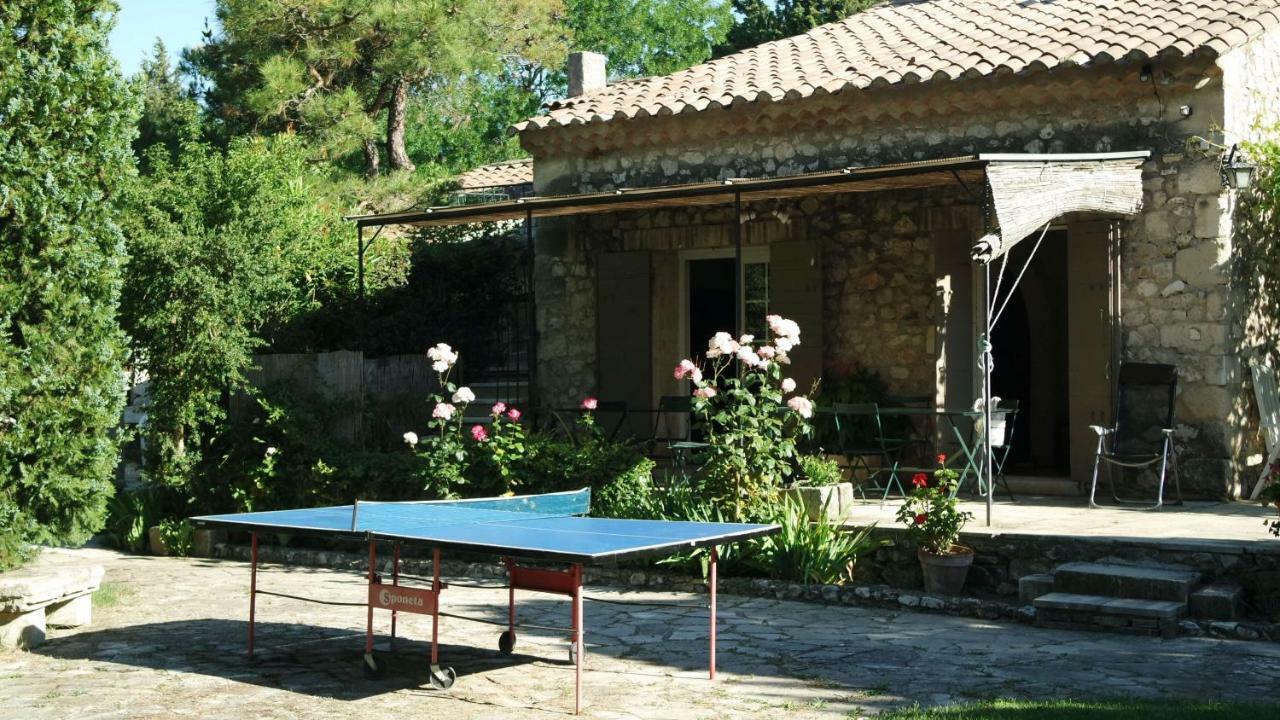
(945, 574)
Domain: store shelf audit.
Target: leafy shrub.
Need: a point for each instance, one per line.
(177, 536)
(819, 470)
(64, 155)
(129, 516)
(812, 552)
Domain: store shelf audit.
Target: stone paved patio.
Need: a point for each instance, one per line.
(172, 645)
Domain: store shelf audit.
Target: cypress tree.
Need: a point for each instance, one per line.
(66, 121)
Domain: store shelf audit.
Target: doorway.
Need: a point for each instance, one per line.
(711, 302)
(1031, 347)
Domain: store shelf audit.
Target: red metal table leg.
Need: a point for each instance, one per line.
(253, 584)
(395, 581)
(373, 566)
(511, 600)
(577, 639)
(435, 616)
(711, 584)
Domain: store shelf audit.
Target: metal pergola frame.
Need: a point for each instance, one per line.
(968, 172)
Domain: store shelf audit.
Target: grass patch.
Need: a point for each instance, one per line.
(110, 594)
(1088, 710)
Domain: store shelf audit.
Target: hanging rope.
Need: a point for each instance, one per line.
(1018, 280)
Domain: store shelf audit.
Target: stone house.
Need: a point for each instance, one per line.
(919, 101)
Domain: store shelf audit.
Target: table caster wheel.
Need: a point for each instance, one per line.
(372, 668)
(442, 678)
(507, 642)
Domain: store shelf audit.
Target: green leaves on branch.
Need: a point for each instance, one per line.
(224, 247)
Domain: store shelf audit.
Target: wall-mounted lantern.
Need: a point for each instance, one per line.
(1237, 173)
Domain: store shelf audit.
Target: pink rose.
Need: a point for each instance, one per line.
(498, 408)
(706, 393)
(513, 415)
(801, 405)
(686, 369)
(590, 403)
(479, 433)
(444, 411)
(766, 352)
(788, 385)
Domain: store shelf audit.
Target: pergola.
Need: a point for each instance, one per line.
(1020, 194)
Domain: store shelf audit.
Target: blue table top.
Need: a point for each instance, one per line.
(539, 526)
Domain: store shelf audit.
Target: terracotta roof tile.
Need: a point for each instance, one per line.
(503, 174)
(914, 41)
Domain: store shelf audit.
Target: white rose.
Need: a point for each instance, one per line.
(788, 385)
(783, 345)
(801, 405)
(464, 395)
(440, 366)
(411, 438)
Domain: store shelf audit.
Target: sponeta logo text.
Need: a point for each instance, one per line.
(387, 597)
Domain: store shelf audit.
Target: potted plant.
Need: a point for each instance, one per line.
(822, 491)
(934, 523)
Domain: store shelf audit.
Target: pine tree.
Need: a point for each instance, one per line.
(759, 22)
(66, 119)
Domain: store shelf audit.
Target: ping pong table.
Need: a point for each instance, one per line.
(528, 532)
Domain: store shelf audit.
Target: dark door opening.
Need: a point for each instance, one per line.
(711, 301)
(1030, 350)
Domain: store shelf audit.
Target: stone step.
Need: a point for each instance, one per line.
(1125, 581)
(1076, 611)
(1219, 601)
(1031, 587)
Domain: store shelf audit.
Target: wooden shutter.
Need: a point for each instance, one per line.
(795, 292)
(625, 348)
(1089, 338)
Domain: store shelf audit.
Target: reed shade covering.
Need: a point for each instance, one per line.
(1028, 190)
(1026, 195)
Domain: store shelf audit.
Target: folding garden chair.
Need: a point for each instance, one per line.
(1142, 434)
(1266, 391)
(861, 437)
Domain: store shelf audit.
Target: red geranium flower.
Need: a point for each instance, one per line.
(920, 480)
(921, 518)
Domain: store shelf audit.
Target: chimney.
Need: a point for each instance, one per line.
(586, 72)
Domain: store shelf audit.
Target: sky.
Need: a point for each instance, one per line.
(139, 22)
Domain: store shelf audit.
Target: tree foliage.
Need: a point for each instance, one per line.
(224, 247)
(66, 118)
(760, 22)
(649, 37)
(169, 115)
(335, 68)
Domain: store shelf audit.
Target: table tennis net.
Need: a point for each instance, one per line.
(383, 516)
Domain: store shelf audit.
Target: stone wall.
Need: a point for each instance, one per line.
(879, 283)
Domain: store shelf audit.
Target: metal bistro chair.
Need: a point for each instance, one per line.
(673, 431)
(861, 436)
(1142, 434)
(1000, 453)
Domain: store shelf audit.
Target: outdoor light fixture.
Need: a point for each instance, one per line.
(1237, 174)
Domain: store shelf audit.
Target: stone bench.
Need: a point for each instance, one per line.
(34, 599)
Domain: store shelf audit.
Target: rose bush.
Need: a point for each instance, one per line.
(750, 428)
(443, 448)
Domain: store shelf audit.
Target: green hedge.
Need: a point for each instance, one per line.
(65, 125)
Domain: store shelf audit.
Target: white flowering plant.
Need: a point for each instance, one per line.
(746, 406)
(443, 446)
